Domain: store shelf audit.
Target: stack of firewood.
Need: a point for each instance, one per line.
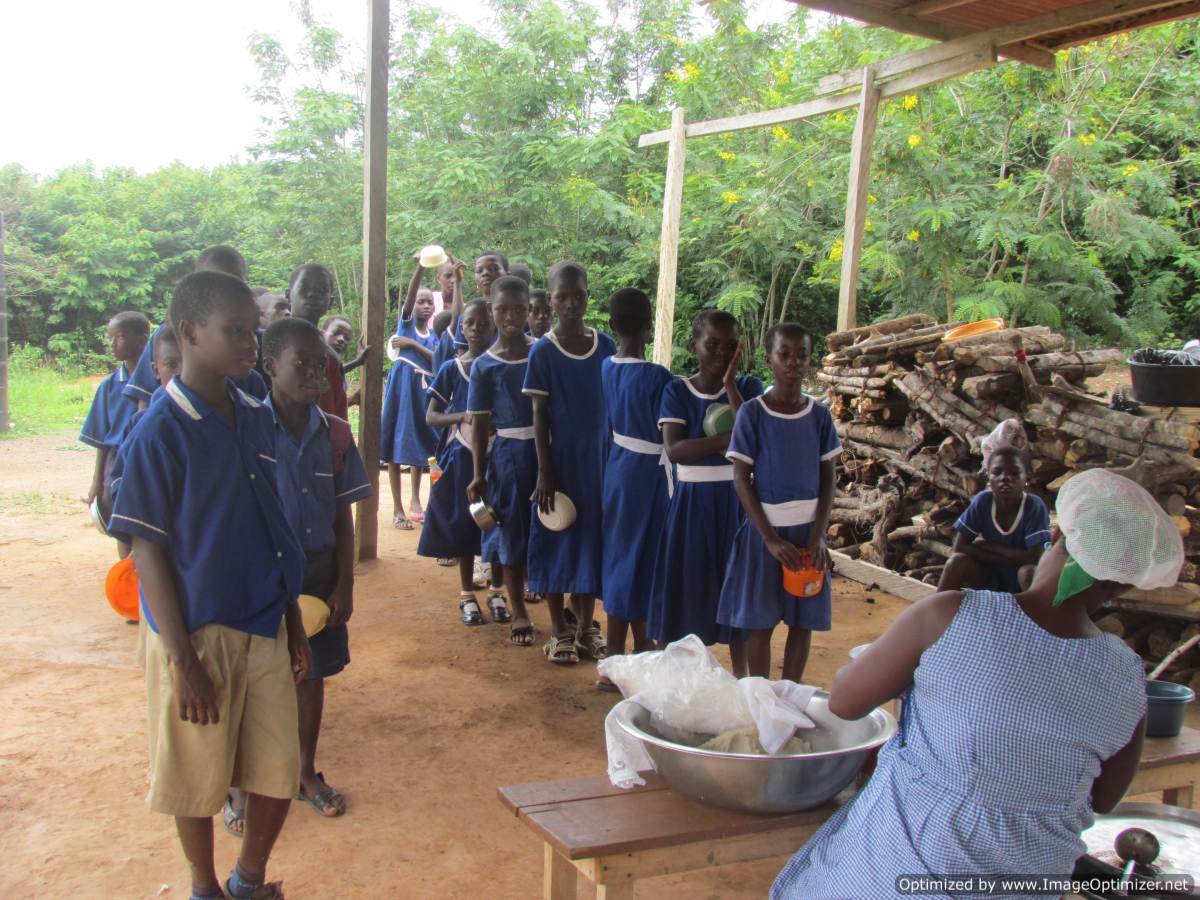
(913, 410)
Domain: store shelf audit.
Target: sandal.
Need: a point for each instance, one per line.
(560, 649)
(532, 598)
(217, 895)
(325, 800)
(231, 817)
(445, 562)
(498, 608)
(468, 609)
(521, 635)
(398, 521)
(417, 517)
(591, 644)
(239, 888)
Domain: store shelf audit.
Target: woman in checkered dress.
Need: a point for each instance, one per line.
(1020, 720)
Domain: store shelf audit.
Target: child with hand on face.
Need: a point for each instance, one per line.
(704, 514)
(406, 438)
(1001, 535)
(783, 448)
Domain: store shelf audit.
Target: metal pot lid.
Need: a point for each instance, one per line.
(1177, 830)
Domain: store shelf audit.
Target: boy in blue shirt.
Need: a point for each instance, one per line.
(320, 476)
(219, 569)
(111, 414)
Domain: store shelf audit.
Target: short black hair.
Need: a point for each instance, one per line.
(442, 320)
(329, 320)
(510, 284)
(201, 292)
(221, 258)
(131, 321)
(629, 310)
(713, 317)
(1018, 454)
(522, 271)
(478, 303)
(288, 333)
(538, 295)
(307, 267)
(566, 268)
(165, 335)
(496, 253)
(791, 329)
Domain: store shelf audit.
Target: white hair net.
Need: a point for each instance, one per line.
(1117, 532)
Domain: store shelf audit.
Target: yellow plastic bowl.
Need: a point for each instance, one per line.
(983, 326)
(313, 612)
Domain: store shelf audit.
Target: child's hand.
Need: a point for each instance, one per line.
(819, 551)
(362, 356)
(546, 488)
(195, 693)
(396, 342)
(300, 653)
(476, 489)
(731, 388)
(341, 605)
(785, 552)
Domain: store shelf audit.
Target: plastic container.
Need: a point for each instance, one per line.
(805, 582)
(121, 589)
(1165, 385)
(314, 613)
(562, 516)
(98, 517)
(983, 326)
(1166, 705)
(432, 256)
(435, 471)
(718, 419)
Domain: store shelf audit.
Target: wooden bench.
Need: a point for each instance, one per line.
(614, 837)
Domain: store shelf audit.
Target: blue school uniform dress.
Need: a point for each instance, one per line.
(108, 422)
(446, 349)
(637, 482)
(449, 531)
(570, 561)
(204, 490)
(512, 463)
(786, 452)
(405, 438)
(1030, 528)
(142, 382)
(1002, 734)
(316, 474)
(702, 520)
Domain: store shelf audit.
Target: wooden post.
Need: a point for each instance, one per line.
(856, 200)
(3, 337)
(668, 251)
(374, 267)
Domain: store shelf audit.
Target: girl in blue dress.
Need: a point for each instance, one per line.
(572, 444)
(636, 477)
(783, 450)
(405, 438)
(450, 532)
(704, 514)
(506, 472)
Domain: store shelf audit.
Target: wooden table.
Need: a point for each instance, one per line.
(614, 837)
(1170, 765)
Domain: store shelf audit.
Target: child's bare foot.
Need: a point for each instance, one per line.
(320, 796)
(415, 511)
(398, 521)
(521, 632)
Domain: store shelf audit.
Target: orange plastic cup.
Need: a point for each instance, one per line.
(806, 581)
(121, 589)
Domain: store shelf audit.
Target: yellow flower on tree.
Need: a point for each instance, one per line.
(835, 252)
(727, 155)
(781, 134)
(871, 198)
(690, 71)
(1131, 170)
(1087, 139)
(910, 101)
(914, 235)
(811, 183)
(730, 197)
(914, 141)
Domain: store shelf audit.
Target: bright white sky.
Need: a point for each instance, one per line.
(144, 82)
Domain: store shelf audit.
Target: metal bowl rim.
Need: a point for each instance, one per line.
(882, 716)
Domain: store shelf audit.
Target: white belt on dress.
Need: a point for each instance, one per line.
(409, 362)
(793, 512)
(648, 448)
(516, 434)
(465, 440)
(704, 473)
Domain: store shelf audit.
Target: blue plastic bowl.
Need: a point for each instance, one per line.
(1166, 704)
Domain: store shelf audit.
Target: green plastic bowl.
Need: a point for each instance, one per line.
(718, 419)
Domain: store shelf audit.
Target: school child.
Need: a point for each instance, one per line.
(446, 322)
(338, 333)
(505, 473)
(310, 291)
(572, 444)
(111, 412)
(783, 448)
(320, 476)
(450, 532)
(406, 439)
(490, 266)
(446, 275)
(1000, 536)
(272, 306)
(541, 316)
(522, 271)
(704, 514)
(219, 568)
(636, 478)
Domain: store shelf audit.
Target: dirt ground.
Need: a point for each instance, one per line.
(420, 730)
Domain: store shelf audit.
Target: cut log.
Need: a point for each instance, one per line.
(873, 393)
(1001, 388)
(1174, 504)
(1112, 623)
(840, 339)
(941, 549)
(1073, 366)
(994, 345)
(877, 383)
(1052, 414)
(1161, 641)
(894, 438)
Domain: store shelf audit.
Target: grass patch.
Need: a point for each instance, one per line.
(42, 400)
(32, 503)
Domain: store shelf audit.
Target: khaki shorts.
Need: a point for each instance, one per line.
(255, 746)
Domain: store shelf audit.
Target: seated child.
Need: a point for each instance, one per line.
(320, 477)
(783, 449)
(1002, 534)
(219, 569)
(111, 414)
(310, 291)
(541, 316)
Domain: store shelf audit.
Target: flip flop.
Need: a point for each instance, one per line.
(522, 635)
(418, 517)
(230, 816)
(324, 799)
(401, 523)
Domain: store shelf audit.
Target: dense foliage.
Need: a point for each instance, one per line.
(1067, 198)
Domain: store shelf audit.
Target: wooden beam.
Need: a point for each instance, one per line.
(856, 200)
(668, 249)
(1088, 33)
(374, 267)
(886, 580)
(929, 7)
(3, 337)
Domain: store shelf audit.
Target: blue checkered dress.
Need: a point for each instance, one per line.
(1003, 733)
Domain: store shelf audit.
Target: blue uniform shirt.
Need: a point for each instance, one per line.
(1030, 528)
(205, 491)
(111, 415)
(312, 482)
(785, 449)
(495, 388)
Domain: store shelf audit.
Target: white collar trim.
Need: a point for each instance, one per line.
(630, 360)
(553, 338)
(175, 392)
(691, 387)
(507, 362)
(1016, 520)
(796, 415)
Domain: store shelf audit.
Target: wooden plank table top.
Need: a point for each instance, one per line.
(1183, 748)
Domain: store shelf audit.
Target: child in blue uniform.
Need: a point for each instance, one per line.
(111, 413)
(1001, 535)
(320, 477)
(572, 444)
(219, 569)
(505, 473)
(783, 449)
(450, 532)
(636, 477)
(704, 514)
(406, 439)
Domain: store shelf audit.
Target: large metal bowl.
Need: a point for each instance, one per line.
(765, 784)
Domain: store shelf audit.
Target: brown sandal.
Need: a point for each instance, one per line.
(560, 649)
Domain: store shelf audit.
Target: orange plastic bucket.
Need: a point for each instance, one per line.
(983, 326)
(804, 582)
(121, 588)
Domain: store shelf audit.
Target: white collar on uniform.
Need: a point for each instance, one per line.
(553, 338)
